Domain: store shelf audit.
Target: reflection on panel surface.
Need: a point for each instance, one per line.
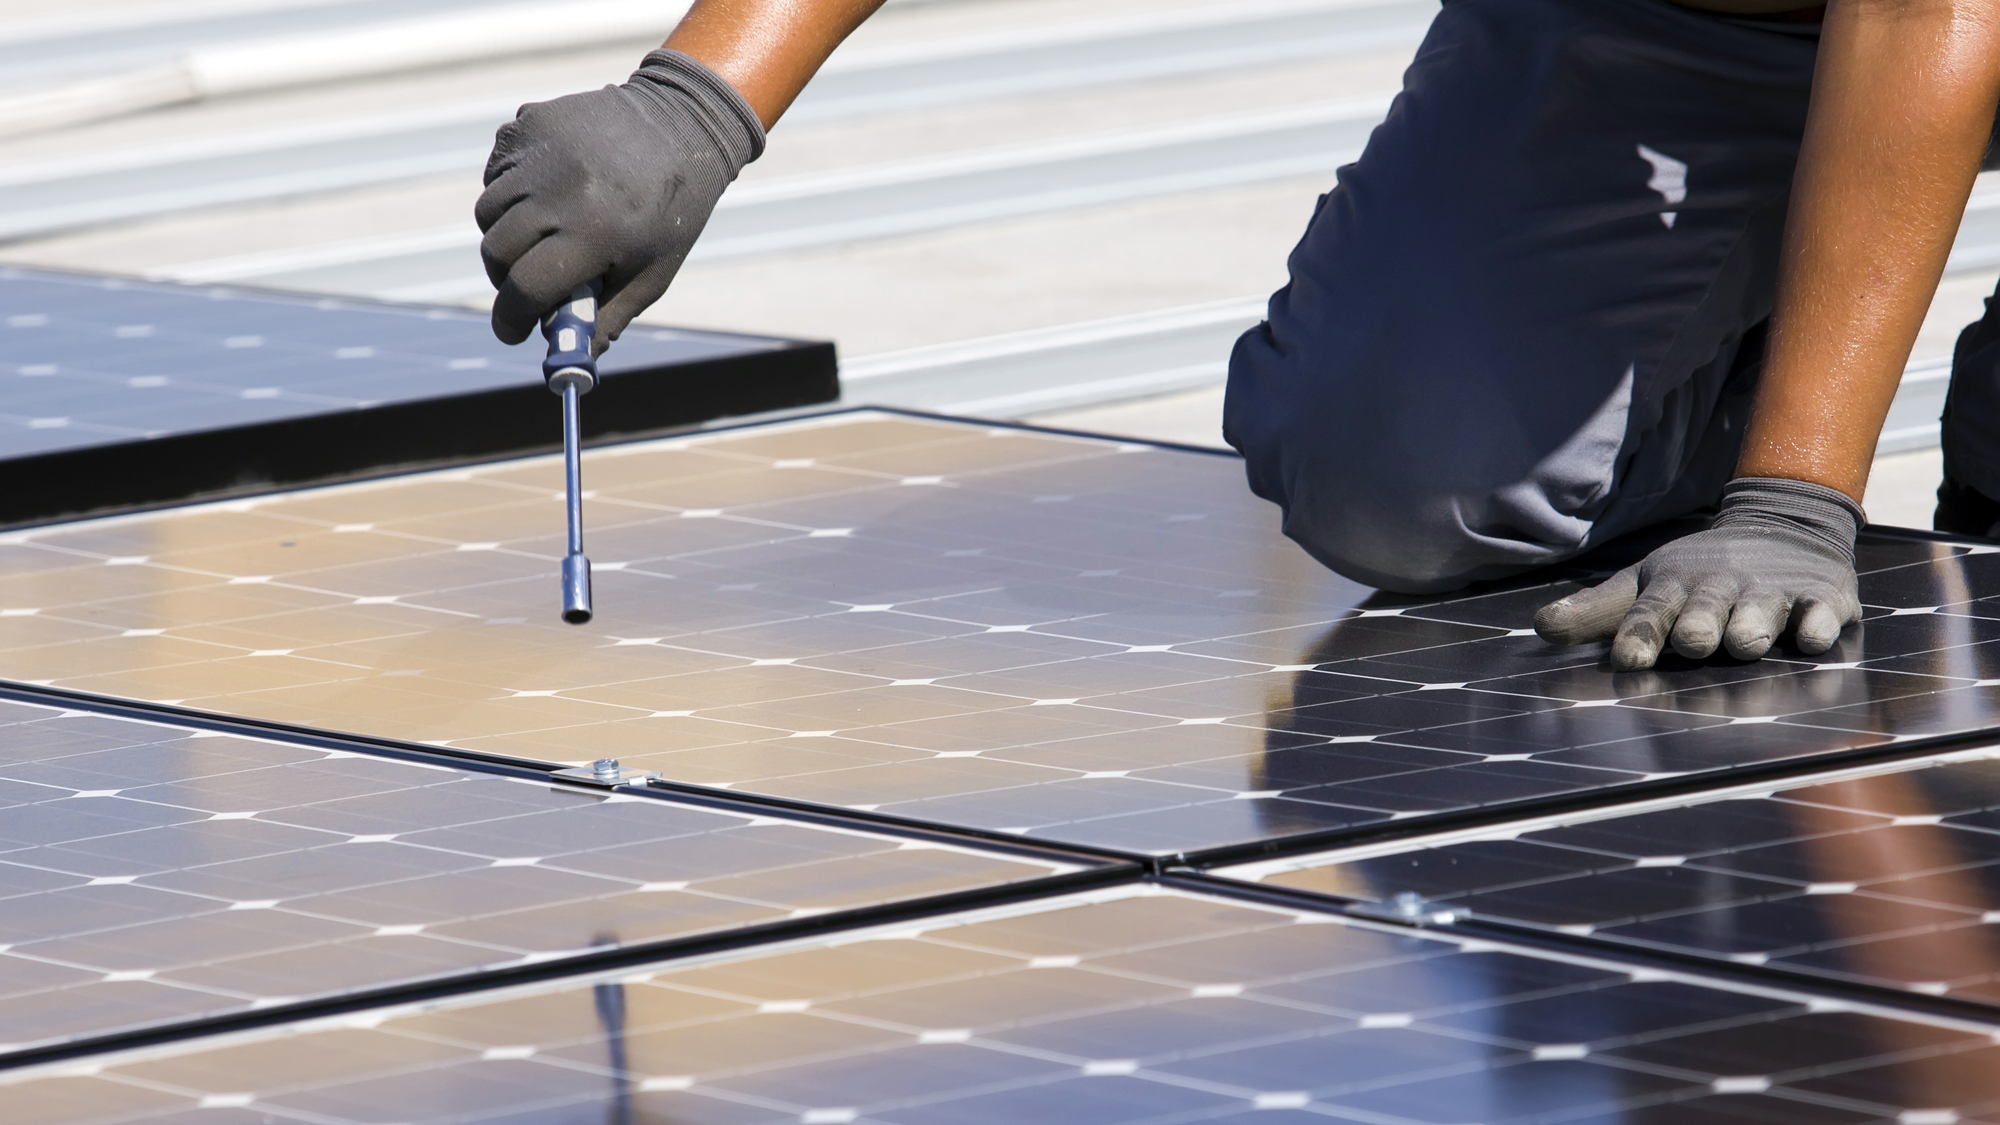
(1888, 879)
(1077, 638)
(151, 873)
(1149, 1008)
(92, 360)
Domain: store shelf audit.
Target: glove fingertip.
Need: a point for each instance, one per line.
(509, 331)
(1752, 648)
(613, 318)
(1633, 654)
(1649, 625)
(496, 269)
(608, 330)
(1696, 644)
(487, 209)
(1569, 624)
(1755, 626)
(1749, 643)
(622, 304)
(1819, 627)
(1588, 615)
(1555, 622)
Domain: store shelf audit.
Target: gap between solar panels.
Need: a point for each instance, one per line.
(1831, 994)
(1423, 829)
(1976, 747)
(893, 921)
(550, 968)
(528, 768)
(1418, 1043)
(1873, 878)
(1414, 831)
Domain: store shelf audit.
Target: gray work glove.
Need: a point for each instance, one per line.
(612, 184)
(1780, 554)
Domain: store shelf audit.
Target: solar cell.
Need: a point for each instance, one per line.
(152, 874)
(119, 392)
(1088, 640)
(1117, 1008)
(1885, 878)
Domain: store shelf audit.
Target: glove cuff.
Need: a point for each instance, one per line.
(1794, 508)
(670, 76)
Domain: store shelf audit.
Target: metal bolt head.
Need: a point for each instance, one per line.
(1408, 904)
(605, 769)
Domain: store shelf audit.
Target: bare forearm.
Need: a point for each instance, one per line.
(1902, 106)
(767, 49)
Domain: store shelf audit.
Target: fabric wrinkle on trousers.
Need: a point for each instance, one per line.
(1529, 317)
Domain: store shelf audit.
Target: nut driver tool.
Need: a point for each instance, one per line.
(571, 372)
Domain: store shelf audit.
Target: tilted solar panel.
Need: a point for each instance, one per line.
(117, 392)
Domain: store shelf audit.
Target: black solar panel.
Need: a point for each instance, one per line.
(1155, 1008)
(117, 392)
(152, 873)
(909, 682)
(1073, 638)
(1887, 879)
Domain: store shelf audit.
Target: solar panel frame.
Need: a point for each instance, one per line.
(121, 393)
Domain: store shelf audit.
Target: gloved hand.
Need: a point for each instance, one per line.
(1780, 553)
(613, 184)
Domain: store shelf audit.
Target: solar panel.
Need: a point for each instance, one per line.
(235, 910)
(1885, 878)
(152, 874)
(1120, 1008)
(1081, 639)
(119, 392)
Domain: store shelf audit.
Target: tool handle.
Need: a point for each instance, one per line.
(568, 331)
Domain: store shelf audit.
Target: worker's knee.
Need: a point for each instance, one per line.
(1389, 487)
(1366, 525)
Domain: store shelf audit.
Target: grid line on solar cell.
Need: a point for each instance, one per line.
(151, 874)
(1087, 640)
(1115, 1007)
(1886, 878)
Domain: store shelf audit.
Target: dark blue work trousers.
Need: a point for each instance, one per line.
(1530, 317)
